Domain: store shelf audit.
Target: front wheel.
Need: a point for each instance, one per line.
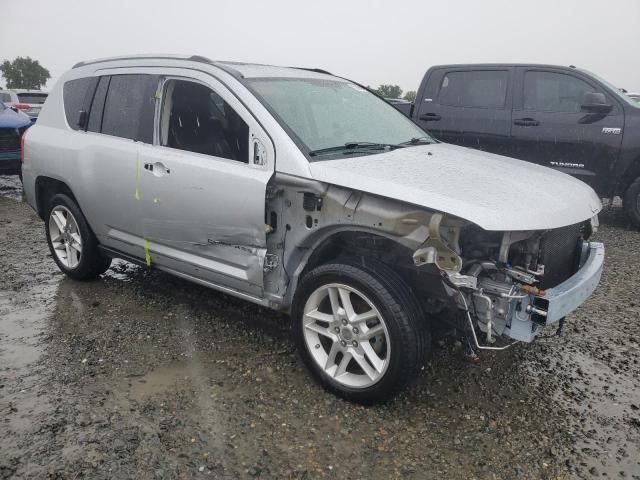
(71, 242)
(632, 202)
(359, 330)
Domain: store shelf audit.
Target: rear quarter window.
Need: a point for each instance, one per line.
(74, 94)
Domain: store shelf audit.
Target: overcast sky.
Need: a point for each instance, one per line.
(372, 42)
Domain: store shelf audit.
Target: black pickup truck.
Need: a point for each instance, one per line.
(562, 117)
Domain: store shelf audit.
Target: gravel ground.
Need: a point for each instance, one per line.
(142, 375)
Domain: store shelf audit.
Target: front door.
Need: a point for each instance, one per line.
(550, 128)
(203, 185)
(471, 108)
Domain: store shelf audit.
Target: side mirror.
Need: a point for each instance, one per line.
(594, 102)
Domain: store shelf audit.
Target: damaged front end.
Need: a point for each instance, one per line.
(511, 283)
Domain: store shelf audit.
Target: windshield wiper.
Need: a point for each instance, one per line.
(417, 140)
(352, 147)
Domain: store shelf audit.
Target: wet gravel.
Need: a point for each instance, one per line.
(142, 375)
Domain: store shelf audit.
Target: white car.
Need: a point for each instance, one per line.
(27, 101)
(304, 192)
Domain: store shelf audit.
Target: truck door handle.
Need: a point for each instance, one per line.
(526, 122)
(430, 117)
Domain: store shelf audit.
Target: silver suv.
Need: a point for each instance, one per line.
(304, 192)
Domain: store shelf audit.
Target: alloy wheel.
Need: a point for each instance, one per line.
(65, 236)
(346, 335)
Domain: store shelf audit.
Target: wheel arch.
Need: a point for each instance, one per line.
(334, 242)
(45, 188)
(630, 175)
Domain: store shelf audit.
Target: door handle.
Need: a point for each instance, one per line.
(430, 117)
(526, 122)
(158, 168)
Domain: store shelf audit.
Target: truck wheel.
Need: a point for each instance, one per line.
(71, 242)
(632, 202)
(359, 330)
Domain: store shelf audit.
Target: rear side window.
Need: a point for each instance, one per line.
(5, 97)
(74, 94)
(554, 92)
(479, 89)
(130, 107)
(33, 98)
(97, 107)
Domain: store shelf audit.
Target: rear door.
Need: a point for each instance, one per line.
(203, 184)
(119, 129)
(550, 128)
(469, 107)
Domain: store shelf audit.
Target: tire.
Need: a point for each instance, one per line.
(632, 202)
(337, 352)
(73, 245)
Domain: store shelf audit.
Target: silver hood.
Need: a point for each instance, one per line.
(494, 192)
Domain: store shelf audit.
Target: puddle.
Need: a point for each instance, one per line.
(23, 400)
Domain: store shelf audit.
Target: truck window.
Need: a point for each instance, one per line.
(130, 107)
(553, 92)
(196, 119)
(479, 89)
(74, 94)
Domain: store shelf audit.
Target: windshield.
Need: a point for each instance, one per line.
(615, 90)
(324, 114)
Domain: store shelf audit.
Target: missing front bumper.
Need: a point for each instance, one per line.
(563, 299)
(560, 300)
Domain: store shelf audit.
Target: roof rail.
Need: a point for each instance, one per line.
(200, 58)
(193, 58)
(316, 70)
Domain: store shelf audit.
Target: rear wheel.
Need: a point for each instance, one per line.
(71, 242)
(358, 329)
(632, 202)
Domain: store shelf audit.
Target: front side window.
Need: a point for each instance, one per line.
(196, 119)
(323, 114)
(554, 92)
(475, 89)
(130, 107)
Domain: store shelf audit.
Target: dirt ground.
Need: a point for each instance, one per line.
(142, 375)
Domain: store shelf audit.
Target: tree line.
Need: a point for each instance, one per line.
(394, 91)
(24, 72)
